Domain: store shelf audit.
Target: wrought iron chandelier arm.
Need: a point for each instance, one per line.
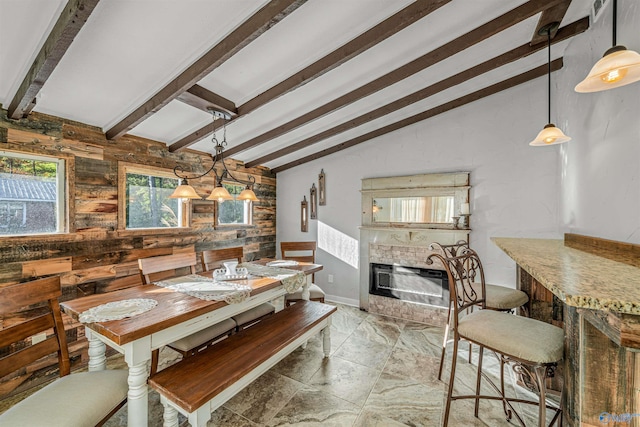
(181, 173)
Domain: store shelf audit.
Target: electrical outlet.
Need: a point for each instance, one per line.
(330, 278)
(38, 338)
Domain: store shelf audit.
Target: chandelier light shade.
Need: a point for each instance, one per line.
(550, 134)
(184, 191)
(618, 66)
(219, 193)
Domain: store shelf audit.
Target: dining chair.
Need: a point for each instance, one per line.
(534, 348)
(301, 252)
(499, 298)
(166, 266)
(80, 399)
(215, 258)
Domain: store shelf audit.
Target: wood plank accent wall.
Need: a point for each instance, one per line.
(96, 257)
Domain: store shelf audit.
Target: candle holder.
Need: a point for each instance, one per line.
(464, 220)
(455, 221)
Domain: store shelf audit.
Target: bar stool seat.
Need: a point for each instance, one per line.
(516, 336)
(502, 298)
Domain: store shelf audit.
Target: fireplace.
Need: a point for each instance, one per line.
(413, 284)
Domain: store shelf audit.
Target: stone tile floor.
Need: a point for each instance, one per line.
(382, 372)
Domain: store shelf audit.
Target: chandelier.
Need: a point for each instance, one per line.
(219, 193)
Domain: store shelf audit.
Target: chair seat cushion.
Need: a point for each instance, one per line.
(314, 291)
(77, 400)
(503, 298)
(201, 337)
(254, 313)
(517, 336)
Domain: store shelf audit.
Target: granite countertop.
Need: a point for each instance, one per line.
(578, 278)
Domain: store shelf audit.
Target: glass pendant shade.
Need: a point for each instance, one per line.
(618, 67)
(184, 191)
(248, 194)
(550, 135)
(220, 194)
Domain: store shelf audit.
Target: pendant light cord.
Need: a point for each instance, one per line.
(549, 74)
(615, 22)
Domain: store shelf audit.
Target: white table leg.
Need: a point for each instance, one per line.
(138, 395)
(326, 339)
(170, 414)
(97, 352)
(305, 289)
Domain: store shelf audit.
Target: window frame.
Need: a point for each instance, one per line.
(65, 166)
(125, 168)
(248, 207)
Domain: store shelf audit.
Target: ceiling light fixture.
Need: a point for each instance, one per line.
(219, 193)
(550, 135)
(617, 67)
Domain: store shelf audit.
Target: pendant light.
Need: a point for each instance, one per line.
(219, 193)
(618, 66)
(550, 135)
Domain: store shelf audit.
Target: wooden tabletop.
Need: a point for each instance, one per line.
(173, 307)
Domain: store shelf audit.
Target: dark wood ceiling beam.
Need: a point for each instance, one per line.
(71, 20)
(491, 64)
(272, 13)
(203, 99)
(371, 37)
(385, 29)
(553, 14)
(483, 32)
(482, 93)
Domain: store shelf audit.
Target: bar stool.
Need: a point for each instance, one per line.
(213, 259)
(291, 251)
(531, 346)
(499, 298)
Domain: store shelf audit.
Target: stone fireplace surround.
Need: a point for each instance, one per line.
(406, 244)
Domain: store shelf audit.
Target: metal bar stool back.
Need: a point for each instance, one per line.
(531, 346)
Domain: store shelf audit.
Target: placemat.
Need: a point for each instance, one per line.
(207, 289)
(292, 280)
(117, 310)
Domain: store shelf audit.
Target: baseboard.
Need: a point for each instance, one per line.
(342, 300)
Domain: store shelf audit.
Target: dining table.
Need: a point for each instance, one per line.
(174, 315)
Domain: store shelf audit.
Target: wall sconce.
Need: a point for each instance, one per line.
(322, 188)
(313, 199)
(304, 215)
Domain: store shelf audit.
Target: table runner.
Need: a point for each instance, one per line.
(207, 289)
(292, 280)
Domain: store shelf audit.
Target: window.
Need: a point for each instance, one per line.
(32, 194)
(237, 212)
(146, 191)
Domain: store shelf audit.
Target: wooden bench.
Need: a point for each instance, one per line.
(201, 383)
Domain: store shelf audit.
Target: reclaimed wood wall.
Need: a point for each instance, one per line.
(94, 256)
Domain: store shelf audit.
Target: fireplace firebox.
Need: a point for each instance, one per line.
(420, 285)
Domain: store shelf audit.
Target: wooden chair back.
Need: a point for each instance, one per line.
(163, 267)
(214, 258)
(291, 251)
(28, 309)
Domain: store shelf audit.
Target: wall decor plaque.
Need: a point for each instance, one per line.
(304, 214)
(322, 189)
(313, 200)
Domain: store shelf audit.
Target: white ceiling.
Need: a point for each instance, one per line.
(129, 49)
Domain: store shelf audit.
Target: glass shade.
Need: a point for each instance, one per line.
(248, 194)
(618, 67)
(220, 194)
(550, 135)
(184, 191)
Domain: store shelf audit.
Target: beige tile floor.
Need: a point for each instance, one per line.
(382, 372)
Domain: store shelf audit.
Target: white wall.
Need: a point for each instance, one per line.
(515, 188)
(600, 167)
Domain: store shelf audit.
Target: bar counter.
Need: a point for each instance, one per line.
(591, 288)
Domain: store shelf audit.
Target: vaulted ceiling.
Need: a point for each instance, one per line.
(300, 79)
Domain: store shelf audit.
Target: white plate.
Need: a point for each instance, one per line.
(282, 263)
